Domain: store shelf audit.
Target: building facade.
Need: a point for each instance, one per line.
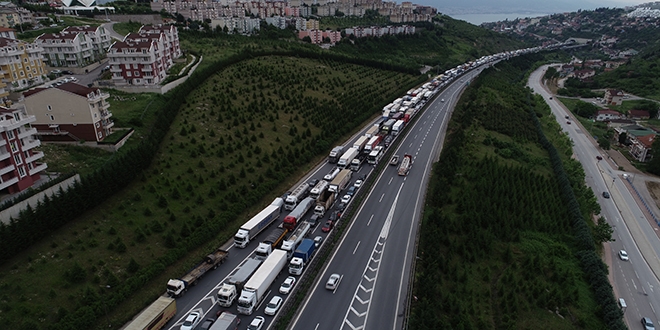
(614, 96)
(99, 37)
(21, 65)
(69, 112)
(19, 161)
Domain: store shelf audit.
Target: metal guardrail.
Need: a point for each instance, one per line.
(644, 202)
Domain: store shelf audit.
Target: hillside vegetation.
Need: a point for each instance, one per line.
(498, 240)
(640, 76)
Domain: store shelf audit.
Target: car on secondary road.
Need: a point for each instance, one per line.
(357, 184)
(257, 323)
(599, 157)
(67, 72)
(273, 306)
(328, 226)
(287, 285)
(566, 117)
(191, 321)
(647, 323)
(606, 194)
(623, 255)
(318, 240)
(332, 282)
(568, 122)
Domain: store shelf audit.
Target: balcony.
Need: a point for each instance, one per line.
(7, 169)
(107, 124)
(96, 97)
(35, 156)
(27, 132)
(37, 169)
(8, 183)
(106, 114)
(31, 144)
(4, 155)
(9, 124)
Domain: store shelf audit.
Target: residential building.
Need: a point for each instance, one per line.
(12, 15)
(614, 96)
(19, 161)
(607, 115)
(584, 74)
(67, 49)
(317, 36)
(640, 147)
(639, 114)
(21, 65)
(99, 37)
(7, 33)
(241, 25)
(69, 112)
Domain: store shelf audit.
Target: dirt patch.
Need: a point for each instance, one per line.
(654, 190)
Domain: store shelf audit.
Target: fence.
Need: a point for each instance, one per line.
(644, 202)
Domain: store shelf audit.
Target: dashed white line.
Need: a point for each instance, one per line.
(368, 223)
(358, 244)
(381, 198)
(392, 178)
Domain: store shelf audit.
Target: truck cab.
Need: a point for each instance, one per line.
(263, 251)
(176, 287)
(226, 295)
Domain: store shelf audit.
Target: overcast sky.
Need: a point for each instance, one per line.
(516, 6)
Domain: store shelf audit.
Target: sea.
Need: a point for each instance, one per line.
(477, 19)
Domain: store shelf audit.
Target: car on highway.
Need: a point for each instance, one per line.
(207, 324)
(191, 321)
(313, 182)
(357, 184)
(442, 100)
(341, 207)
(273, 306)
(334, 216)
(286, 287)
(647, 323)
(623, 255)
(351, 191)
(346, 198)
(257, 323)
(318, 240)
(332, 282)
(314, 220)
(395, 160)
(388, 141)
(606, 194)
(599, 157)
(328, 226)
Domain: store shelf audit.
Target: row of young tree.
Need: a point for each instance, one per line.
(503, 242)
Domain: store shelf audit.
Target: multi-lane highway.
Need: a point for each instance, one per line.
(636, 280)
(375, 255)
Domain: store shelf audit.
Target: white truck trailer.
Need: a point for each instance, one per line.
(229, 290)
(256, 288)
(297, 195)
(258, 223)
(348, 157)
(292, 242)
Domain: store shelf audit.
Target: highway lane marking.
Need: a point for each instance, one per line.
(650, 286)
(381, 198)
(392, 178)
(356, 247)
(317, 326)
(410, 146)
(415, 138)
(368, 223)
(653, 309)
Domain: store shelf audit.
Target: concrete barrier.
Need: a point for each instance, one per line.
(15, 210)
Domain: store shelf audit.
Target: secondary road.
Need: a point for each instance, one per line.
(375, 256)
(635, 280)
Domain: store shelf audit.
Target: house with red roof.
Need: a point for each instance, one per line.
(638, 114)
(614, 96)
(20, 165)
(69, 112)
(640, 147)
(607, 115)
(75, 46)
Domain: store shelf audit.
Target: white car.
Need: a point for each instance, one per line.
(318, 240)
(333, 281)
(345, 199)
(623, 255)
(273, 306)
(357, 184)
(257, 323)
(287, 285)
(191, 321)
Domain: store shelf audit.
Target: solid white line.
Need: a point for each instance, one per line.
(358, 244)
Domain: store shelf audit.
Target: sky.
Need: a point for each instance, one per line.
(521, 6)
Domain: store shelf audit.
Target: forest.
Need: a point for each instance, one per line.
(507, 238)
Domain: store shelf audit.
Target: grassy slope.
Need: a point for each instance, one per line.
(640, 77)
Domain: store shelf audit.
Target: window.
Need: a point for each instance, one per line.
(51, 117)
(100, 134)
(18, 159)
(136, 73)
(49, 108)
(14, 147)
(96, 114)
(26, 154)
(128, 73)
(10, 134)
(21, 171)
(17, 116)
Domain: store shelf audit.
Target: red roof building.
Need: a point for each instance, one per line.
(19, 162)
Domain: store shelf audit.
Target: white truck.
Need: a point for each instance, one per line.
(398, 127)
(256, 288)
(258, 223)
(340, 182)
(229, 290)
(292, 242)
(332, 174)
(348, 157)
(359, 144)
(319, 189)
(373, 130)
(356, 164)
(375, 155)
(297, 195)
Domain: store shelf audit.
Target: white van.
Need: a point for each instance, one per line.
(622, 304)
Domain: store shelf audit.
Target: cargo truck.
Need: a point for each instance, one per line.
(335, 153)
(155, 316)
(372, 131)
(274, 238)
(398, 127)
(375, 155)
(296, 196)
(298, 213)
(359, 144)
(387, 127)
(324, 203)
(340, 182)
(348, 157)
(257, 286)
(355, 164)
(177, 287)
(373, 142)
(226, 321)
(328, 177)
(302, 256)
(258, 223)
(290, 244)
(319, 189)
(229, 290)
(406, 164)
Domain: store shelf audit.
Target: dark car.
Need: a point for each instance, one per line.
(566, 117)
(606, 194)
(568, 122)
(313, 182)
(599, 157)
(66, 72)
(328, 226)
(341, 207)
(207, 324)
(351, 191)
(388, 141)
(313, 220)
(334, 216)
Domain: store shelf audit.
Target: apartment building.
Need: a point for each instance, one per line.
(97, 35)
(69, 112)
(19, 161)
(12, 15)
(67, 49)
(21, 65)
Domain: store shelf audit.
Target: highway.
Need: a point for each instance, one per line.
(375, 255)
(635, 280)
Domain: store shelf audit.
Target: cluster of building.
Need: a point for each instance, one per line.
(585, 70)
(644, 12)
(379, 31)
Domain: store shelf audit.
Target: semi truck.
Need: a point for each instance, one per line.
(355, 164)
(340, 182)
(332, 174)
(178, 287)
(302, 256)
(359, 144)
(398, 127)
(274, 238)
(226, 321)
(348, 157)
(387, 127)
(258, 223)
(319, 189)
(229, 290)
(372, 131)
(292, 242)
(406, 164)
(257, 286)
(298, 213)
(375, 155)
(324, 203)
(373, 142)
(155, 316)
(296, 196)
(335, 153)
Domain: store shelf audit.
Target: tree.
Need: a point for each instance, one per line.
(603, 231)
(653, 165)
(623, 137)
(604, 142)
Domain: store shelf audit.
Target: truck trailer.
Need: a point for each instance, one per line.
(348, 157)
(324, 203)
(375, 155)
(298, 213)
(373, 142)
(373, 130)
(290, 244)
(301, 257)
(398, 127)
(229, 290)
(340, 182)
(155, 316)
(274, 239)
(319, 189)
(226, 321)
(361, 141)
(258, 223)
(296, 196)
(256, 288)
(178, 287)
(406, 164)
(335, 153)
